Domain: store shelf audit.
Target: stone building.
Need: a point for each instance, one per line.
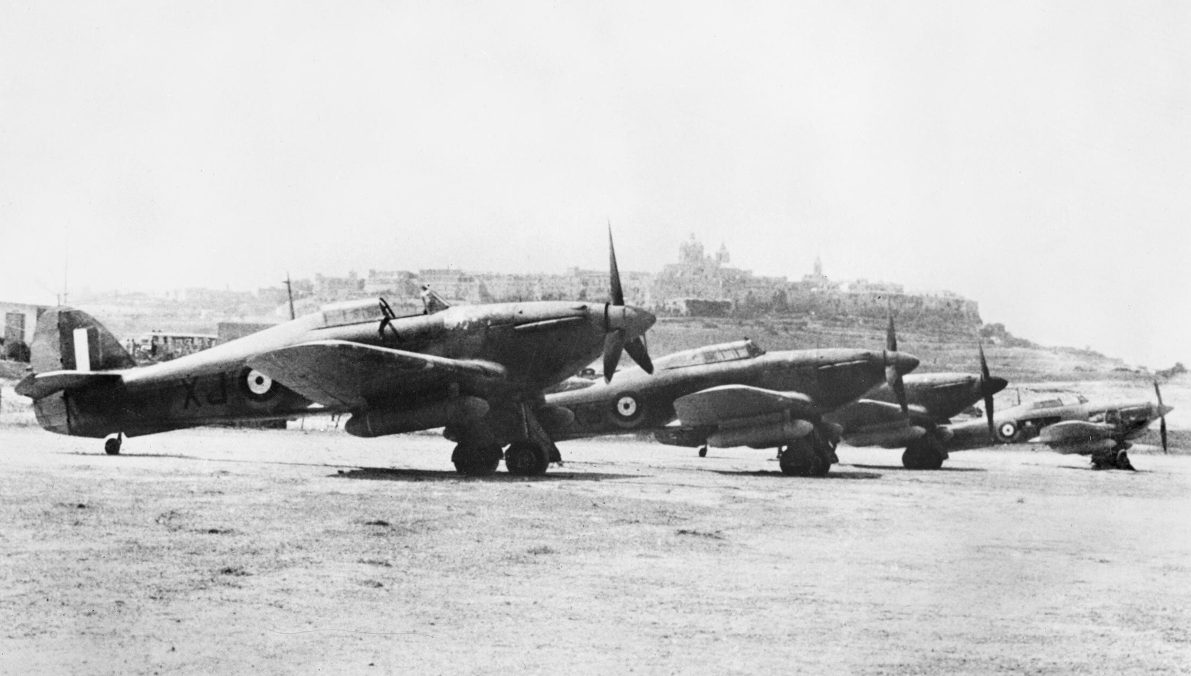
(20, 321)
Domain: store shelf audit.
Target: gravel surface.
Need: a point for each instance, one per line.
(221, 551)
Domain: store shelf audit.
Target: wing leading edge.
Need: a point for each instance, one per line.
(342, 374)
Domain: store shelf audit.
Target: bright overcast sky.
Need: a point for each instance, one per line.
(1034, 156)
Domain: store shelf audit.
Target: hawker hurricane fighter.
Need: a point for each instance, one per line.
(736, 394)
(1070, 424)
(924, 430)
(478, 371)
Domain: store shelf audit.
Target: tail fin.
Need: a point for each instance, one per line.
(67, 339)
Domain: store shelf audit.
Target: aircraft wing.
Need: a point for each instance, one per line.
(1078, 436)
(339, 373)
(717, 405)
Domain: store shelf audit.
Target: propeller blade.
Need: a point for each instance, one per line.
(894, 378)
(988, 396)
(892, 375)
(984, 375)
(1162, 416)
(988, 415)
(640, 353)
(614, 271)
(613, 346)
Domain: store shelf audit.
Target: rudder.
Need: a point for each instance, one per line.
(72, 340)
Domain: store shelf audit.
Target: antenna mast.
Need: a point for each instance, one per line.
(289, 290)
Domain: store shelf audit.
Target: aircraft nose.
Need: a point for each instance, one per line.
(637, 321)
(994, 384)
(1164, 409)
(904, 362)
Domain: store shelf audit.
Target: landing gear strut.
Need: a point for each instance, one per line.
(112, 445)
(525, 458)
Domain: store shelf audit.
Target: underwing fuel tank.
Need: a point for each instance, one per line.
(765, 435)
(379, 422)
(893, 435)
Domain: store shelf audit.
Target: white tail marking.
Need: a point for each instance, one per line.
(82, 350)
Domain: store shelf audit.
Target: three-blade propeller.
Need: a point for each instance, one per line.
(1162, 416)
(615, 340)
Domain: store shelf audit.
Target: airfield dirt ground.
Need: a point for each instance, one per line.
(232, 551)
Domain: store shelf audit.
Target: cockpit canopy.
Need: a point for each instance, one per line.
(352, 312)
(1064, 399)
(711, 354)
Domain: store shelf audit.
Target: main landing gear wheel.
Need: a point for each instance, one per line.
(525, 458)
(474, 460)
(923, 453)
(1114, 459)
(1123, 461)
(703, 451)
(801, 459)
(112, 445)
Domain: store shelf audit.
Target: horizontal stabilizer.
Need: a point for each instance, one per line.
(37, 386)
(720, 405)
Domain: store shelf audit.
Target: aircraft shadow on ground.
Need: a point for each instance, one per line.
(778, 475)
(896, 468)
(118, 456)
(395, 474)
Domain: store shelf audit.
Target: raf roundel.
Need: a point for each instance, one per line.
(627, 409)
(1007, 431)
(257, 385)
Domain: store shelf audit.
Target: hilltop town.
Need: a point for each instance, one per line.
(698, 284)
(701, 298)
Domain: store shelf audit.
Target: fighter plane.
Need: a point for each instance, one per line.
(478, 371)
(1070, 424)
(925, 432)
(736, 394)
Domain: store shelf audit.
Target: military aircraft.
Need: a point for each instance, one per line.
(736, 394)
(925, 431)
(478, 371)
(1071, 424)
